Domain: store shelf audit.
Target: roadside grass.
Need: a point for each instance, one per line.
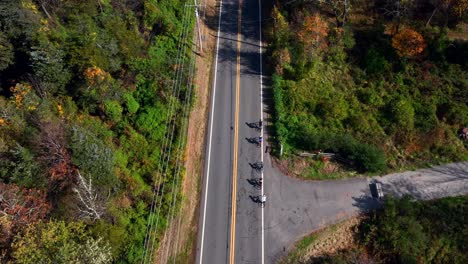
(305, 242)
(333, 238)
(309, 168)
(185, 254)
(299, 250)
(316, 169)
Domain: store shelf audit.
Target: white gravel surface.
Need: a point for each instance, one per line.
(436, 182)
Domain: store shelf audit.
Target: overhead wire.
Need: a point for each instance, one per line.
(181, 145)
(167, 144)
(165, 167)
(201, 4)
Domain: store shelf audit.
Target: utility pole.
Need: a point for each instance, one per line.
(198, 26)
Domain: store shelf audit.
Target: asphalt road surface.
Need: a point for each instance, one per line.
(213, 238)
(232, 227)
(235, 101)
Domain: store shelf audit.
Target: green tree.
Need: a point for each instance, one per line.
(403, 114)
(151, 121)
(6, 52)
(19, 19)
(92, 156)
(131, 103)
(59, 242)
(113, 110)
(49, 67)
(375, 62)
(25, 170)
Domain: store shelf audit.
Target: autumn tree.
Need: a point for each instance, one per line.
(408, 43)
(282, 58)
(51, 145)
(59, 242)
(20, 207)
(460, 8)
(24, 97)
(339, 8)
(23, 206)
(314, 32)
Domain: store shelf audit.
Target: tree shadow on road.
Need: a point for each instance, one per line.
(366, 203)
(456, 171)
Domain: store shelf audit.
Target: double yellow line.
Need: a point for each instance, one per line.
(236, 139)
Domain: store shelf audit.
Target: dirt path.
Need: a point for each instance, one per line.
(183, 229)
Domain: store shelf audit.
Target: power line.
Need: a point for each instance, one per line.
(178, 228)
(166, 144)
(182, 143)
(169, 151)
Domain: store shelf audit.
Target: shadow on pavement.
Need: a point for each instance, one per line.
(366, 203)
(454, 171)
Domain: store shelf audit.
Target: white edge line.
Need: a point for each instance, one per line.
(211, 133)
(261, 117)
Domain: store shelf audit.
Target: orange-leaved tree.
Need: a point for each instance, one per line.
(23, 206)
(94, 75)
(314, 32)
(408, 43)
(20, 207)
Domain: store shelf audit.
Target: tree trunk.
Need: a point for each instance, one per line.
(430, 18)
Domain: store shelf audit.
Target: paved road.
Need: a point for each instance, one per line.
(214, 226)
(294, 208)
(248, 217)
(237, 71)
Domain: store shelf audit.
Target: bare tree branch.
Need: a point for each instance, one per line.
(91, 206)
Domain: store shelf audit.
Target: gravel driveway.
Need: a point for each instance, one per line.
(296, 207)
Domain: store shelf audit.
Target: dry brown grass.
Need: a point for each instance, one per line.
(460, 33)
(333, 239)
(183, 228)
(325, 242)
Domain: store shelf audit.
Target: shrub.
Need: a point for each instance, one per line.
(113, 110)
(368, 158)
(131, 102)
(151, 121)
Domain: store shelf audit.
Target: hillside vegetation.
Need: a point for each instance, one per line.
(377, 82)
(86, 88)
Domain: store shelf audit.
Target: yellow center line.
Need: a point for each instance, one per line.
(236, 138)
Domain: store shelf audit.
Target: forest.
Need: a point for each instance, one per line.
(383, 84)
(85, 106)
